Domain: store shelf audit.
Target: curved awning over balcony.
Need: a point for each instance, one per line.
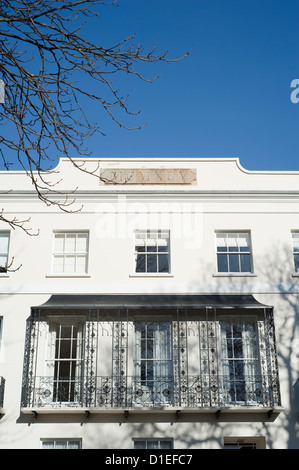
(151, 301)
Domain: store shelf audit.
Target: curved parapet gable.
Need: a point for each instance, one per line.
(153, 175)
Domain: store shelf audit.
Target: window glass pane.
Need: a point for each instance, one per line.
(74, 445)
(70, 243)
(232, 239)
(166, 444)
(140, 235)
(3, 261)
(245, 263)
(151, 263)
(58, 264)
(152, 248)
(243, 240)
(163, 249)
(139, 445)
(59, 243)
(140, 264)
(61, 445)
(163, 263)
(233, 263)
(296, 261)
(153, 444)
(222, 263)
(221, 242)
(295, 237)
(48, 444)
(4, 242)
(244, 249)
(150, 242)
(69, 264)
(81, 246)
(162, 241)
(81, 264)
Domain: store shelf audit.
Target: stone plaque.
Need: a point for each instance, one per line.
(145, 176)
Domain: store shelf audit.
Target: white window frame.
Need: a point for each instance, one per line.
(4, 254)
(253, 372)
(55, 358)
(151, 440)
(58, 441)
(236, 443)
(226, 234)
(72, 254)
(295, 253)
(153, 375)
(147, 235)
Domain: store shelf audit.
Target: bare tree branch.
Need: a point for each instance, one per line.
(15, 223)
(43, 53)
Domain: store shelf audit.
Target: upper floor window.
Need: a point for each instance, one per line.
(61, 444)
(4, 247)
(70, 252)
(190, 358)
(152, 253)
(153, 443)
(295, 237)
(240, 361)
(234, 252)
(153, 362)
(64, 362)
(244, 443)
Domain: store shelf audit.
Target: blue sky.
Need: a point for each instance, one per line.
(229, 98)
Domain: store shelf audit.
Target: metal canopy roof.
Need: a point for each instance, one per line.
(150, 301)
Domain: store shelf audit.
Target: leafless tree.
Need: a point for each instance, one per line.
(45, 59)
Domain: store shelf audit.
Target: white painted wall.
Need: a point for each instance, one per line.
(226, 197)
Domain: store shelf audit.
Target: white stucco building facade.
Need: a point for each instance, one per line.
(161, 312)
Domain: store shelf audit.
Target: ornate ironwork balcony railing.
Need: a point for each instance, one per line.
(195, 392)
(2, 386)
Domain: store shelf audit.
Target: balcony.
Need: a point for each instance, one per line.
(193, 394)
(199, 354)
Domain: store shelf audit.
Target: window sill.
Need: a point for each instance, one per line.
(295, 275)
(234, 275)
(68, 275)
(4, 275)
(151, 275)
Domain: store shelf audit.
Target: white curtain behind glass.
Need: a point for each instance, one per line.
(64, 360)
(239, 358)
(153, 360)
